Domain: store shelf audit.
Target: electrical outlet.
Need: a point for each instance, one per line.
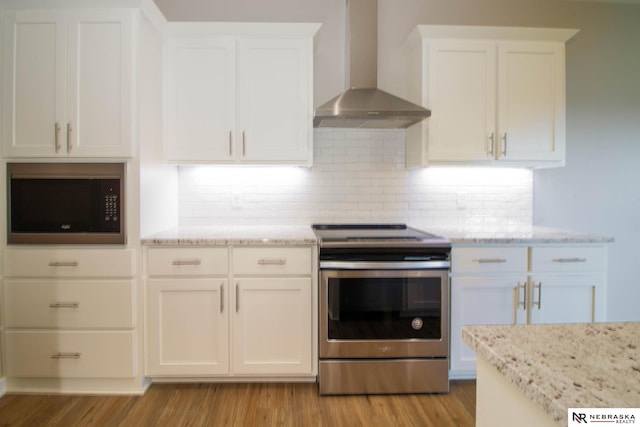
(461, 201)
(236, 200)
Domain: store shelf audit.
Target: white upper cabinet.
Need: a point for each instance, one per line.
(497, 96)
(244, 98)
(68, 83)
(201, 99)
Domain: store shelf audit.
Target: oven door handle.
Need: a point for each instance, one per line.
(372, 265)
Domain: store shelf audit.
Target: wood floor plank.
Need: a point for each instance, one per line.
(259, 404)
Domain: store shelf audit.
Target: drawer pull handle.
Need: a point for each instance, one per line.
(64, 264)
(490, 260)
(275, 261)
(180, 262)
(64, 305)
(569, 260)
(66, 355)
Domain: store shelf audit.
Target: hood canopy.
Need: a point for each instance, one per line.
(363, 105)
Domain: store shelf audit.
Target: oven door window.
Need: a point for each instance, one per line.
(382, 308)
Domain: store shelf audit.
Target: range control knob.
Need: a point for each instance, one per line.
(416, 323)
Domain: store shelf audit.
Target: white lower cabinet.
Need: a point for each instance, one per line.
(70, 320)
(478, 301)
(511, 284)
(70, 354)
(230, 312)
(272, 325)
(188, 330)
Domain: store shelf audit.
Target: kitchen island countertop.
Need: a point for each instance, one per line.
(234, 235)
(565, 366)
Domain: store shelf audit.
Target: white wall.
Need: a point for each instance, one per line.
(599, 190)
(328, 43)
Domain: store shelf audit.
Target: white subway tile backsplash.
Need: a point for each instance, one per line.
(357, 176)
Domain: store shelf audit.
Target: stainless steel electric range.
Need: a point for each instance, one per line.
(384, 309)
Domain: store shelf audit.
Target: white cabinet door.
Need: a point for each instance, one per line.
(201, 99)
(274, 99)
(99, 83)
(187, 327)
(531, 101)
(481, 301)
(272, 326)
(69, 78)
(34, 82)
(567, 299)
(462, 97)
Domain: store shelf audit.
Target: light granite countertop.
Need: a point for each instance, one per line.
(234, 235)
(565, 366)
(519, 235)
(303, 234)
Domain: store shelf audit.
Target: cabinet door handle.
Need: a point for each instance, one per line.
(57, 139)
(273, 261)
(64, 305)
(244, 144)
(230, 144)
(522, 303)
(69, 145)
(237, 297)
(181, 262)
(221, 297)
(569, 260)
(64, 264)
(504, 145)
(75, 355)
(491, 144)
(593, 304)
(516, 301)
(490, 260)
(539, 302)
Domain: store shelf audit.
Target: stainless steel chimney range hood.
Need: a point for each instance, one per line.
(363, 105)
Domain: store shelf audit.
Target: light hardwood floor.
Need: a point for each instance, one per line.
(209, 404)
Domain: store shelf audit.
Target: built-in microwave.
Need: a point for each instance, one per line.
(65, 203)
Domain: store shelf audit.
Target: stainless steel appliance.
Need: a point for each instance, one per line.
(363, 105)
(384, 309)
(51, 203)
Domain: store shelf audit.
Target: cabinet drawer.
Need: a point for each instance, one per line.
(187, 261)
(77, 304)
(70, 354)
(272, 261)
(68, 263)
(490, 259)
(568, 259)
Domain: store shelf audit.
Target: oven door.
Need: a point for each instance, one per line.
(384, 313)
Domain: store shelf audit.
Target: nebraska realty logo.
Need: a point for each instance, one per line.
(599, 416)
